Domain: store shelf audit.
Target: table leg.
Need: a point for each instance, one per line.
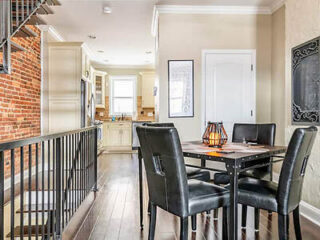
(203, 162)
(140, 187)
(233, 214)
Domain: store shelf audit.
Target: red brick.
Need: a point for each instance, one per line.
(20, 96)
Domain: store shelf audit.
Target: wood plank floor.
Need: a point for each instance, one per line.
(115, 212)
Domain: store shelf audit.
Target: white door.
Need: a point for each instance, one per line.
(230, 88)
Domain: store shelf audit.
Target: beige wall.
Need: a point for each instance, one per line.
(302, 23)
(124, 71)
(184, 36)
(278, 77)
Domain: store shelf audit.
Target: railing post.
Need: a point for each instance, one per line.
(95, 160)
(59, 189)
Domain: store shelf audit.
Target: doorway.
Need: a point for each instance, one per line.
(229, 87)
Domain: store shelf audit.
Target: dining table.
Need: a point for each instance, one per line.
(234, 156)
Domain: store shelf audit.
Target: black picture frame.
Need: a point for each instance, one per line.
(305, 97)
(191, 112)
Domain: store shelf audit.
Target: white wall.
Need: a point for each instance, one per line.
(278, 77)
(184, 36)
(302, 23)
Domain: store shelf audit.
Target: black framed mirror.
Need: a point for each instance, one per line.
(306, 83)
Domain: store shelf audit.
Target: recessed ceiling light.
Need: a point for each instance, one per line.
(107, 10)
(147, 61)
(91, 36)
(148, 52)
(106, 60)
(100, 51)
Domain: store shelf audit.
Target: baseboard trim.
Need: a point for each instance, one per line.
(306, 210)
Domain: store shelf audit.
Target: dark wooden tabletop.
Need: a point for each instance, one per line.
(243, 152)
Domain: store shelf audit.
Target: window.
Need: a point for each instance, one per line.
(122, 95)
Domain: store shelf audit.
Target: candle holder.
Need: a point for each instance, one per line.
(215, 135)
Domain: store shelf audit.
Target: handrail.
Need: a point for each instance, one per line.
(22, 142)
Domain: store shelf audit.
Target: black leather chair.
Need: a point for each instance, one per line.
(167, 180)
(254, 133)
(192, 173)
(284, 197)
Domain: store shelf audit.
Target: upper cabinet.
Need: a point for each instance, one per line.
(99, 79)
(148, 81)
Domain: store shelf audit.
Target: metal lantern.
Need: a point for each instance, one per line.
(215, 135)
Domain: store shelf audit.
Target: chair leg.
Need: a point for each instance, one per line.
(283, 222)
(184, 228)
(225, 223)
(296, 221)
(153, 218)
(244, 216)
(194, 222)
(149, 207)
(215, 214)
(256, 219)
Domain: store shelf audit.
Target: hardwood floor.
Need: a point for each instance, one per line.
(115, 213)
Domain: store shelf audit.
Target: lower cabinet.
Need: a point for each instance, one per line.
(117, 135)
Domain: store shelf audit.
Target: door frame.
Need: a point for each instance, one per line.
(205, 52)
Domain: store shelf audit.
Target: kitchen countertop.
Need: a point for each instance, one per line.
(128, 121)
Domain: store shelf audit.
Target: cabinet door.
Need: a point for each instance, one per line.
(148, 80)
(112, 135)
(67, 112)
(126, 137)
(100, 85)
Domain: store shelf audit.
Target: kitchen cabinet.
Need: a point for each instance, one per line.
(148, 81)
(99, 79)
(117, 135)
(62, 102)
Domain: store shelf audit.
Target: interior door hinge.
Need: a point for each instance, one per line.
(251, 113)
(251, 67)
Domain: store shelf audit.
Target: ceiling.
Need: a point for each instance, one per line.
(123, 37)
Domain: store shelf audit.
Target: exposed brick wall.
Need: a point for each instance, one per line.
(20, 95)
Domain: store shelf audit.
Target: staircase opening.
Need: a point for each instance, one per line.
(16, 18)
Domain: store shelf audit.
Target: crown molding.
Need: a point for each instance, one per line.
(52, 31)
(276, 5)
(190, 9)
(202, 9)
(88, 51)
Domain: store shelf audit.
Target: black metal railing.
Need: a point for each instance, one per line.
(57, 172)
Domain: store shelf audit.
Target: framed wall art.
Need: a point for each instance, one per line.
(181, 92)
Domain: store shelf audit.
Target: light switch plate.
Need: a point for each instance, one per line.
(101, 114)
(150, 114)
